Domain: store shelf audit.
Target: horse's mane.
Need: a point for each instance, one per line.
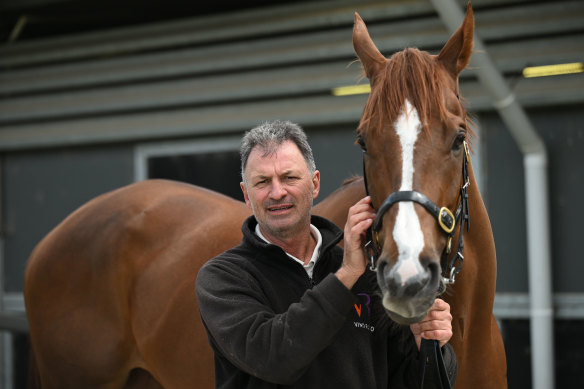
(409, 74)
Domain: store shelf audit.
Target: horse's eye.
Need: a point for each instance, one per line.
(458, 141)
(361, 143)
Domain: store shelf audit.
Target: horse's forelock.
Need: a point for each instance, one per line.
(411, 75)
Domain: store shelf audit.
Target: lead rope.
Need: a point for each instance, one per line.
(430, 353)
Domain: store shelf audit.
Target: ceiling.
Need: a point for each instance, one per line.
(22, 20)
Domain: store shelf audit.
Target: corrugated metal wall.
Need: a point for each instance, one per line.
(225, 73)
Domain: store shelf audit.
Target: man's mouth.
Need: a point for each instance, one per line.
(280, 208)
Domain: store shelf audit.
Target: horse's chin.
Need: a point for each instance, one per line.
(399, 319)
(405, 314)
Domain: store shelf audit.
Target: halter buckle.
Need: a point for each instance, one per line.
(446, 214)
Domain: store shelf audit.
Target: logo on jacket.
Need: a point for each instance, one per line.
(363, 310)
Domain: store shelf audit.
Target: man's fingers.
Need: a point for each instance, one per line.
(360, 218)
(440, 305)
(437, 324)
(442, 336)
(362, 208)
(440, 310)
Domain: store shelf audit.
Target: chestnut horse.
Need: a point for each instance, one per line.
(110, 291)
(414, 133)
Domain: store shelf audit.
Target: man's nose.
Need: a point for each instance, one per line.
(278, 190)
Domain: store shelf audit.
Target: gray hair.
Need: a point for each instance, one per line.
(269, 136)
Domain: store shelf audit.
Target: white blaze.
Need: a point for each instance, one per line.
(407, 231)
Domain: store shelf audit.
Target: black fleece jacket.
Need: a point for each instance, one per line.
(271, 326)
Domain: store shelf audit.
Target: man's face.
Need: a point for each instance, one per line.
(280, 190)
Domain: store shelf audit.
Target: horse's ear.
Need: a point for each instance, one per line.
(366, 50)
(455, 55)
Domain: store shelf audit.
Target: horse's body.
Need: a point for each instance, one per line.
(110, 293)
(111, 289)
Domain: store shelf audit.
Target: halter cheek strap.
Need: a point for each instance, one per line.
(371, 246)
(454, 265)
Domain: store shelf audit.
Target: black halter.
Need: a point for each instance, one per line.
(445, 218)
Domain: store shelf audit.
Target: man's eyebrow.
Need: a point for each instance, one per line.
(259, 176)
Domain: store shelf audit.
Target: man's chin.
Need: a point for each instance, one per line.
(280, 228)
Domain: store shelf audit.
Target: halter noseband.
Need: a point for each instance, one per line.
(443, 216)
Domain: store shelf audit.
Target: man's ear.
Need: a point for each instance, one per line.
(245, 196)
(315, 184)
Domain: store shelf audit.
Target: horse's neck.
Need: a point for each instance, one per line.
(335, 207)
(479, 239)
(473, 293)
(475, 330)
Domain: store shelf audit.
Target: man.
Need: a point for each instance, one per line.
(288, 307)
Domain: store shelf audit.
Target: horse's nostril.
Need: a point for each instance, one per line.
(433, 268)
(382, 270)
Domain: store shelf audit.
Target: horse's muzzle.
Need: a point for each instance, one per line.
(408, 289)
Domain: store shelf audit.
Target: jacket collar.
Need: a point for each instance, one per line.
(331, 234)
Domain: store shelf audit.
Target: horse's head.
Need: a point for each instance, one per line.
(413, 133)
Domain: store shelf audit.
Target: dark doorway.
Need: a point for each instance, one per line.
(218, 171)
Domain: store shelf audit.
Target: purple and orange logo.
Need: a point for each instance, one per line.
(359, 308)
(363, 309)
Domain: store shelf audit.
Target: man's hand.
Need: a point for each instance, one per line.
(437, 324)
(360, 218)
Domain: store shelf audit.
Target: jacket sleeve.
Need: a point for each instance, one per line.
(273, 347)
